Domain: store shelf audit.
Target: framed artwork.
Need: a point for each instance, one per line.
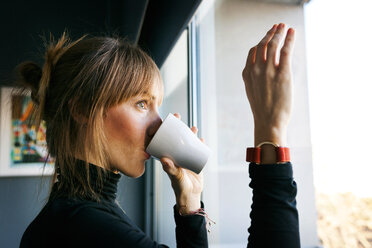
(22, 149)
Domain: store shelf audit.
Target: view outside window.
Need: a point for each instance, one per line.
(340, 85)
(329, 133)
(227, 30)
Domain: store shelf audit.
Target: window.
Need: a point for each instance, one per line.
(175, 78)
(227, 30)
(202, 79)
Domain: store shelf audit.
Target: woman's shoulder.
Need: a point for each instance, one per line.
(101, 224)
(90, 217)
(78, 208)
(55, 219)
(78, 223)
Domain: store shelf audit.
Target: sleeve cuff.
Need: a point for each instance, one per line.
(188, 220)
(278, 171)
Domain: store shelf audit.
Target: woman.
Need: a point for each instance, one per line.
(99, 98)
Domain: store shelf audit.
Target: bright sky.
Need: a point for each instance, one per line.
(339, 51)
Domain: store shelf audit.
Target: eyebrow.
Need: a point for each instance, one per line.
(152, 97)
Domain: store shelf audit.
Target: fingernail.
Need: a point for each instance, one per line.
(281, 25)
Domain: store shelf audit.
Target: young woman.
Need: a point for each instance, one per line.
(99, 98)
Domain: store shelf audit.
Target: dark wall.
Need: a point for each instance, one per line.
(155, 24)
(21, 199)
(23, 24)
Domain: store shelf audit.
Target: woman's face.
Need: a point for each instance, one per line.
(129, 127)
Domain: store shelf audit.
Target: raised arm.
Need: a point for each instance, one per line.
(268, 84)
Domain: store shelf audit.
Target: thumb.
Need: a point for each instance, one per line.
(169, 166)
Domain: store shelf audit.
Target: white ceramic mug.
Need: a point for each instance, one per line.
(175, 140)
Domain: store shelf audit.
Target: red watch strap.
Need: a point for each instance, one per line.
(254, 154)
(282, 154)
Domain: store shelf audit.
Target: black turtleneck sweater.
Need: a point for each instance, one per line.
(66, 222)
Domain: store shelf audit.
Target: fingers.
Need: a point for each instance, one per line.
(169, 167)
(286, 51)
(261, 47)
(266, 50)
(273, 44)
(251, 56)
(194, 129)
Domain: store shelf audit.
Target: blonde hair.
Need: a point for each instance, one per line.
(79, 81)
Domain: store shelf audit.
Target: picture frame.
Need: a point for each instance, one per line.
(22, 150)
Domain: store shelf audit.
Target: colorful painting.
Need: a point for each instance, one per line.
(23, 148)
(28, 145)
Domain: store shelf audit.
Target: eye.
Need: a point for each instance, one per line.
(142, 104)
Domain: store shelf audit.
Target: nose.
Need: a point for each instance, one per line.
(154, 126)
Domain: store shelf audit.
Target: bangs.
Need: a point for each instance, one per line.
(137, 74)
(155, 90)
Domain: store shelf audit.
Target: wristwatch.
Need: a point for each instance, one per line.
(254, 153)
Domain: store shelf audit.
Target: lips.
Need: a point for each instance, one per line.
(147, 142)
(147, 155)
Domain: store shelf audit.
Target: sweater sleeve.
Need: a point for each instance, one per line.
(274, 216)
(191, 230)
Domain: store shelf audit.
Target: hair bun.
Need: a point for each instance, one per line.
(29, 77)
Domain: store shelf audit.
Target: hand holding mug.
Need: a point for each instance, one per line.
(187, 185)
(183, 156)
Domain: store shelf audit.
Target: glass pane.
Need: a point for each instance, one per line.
(174, 73)
(228, 29)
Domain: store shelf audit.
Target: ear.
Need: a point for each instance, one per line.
(76, 113)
